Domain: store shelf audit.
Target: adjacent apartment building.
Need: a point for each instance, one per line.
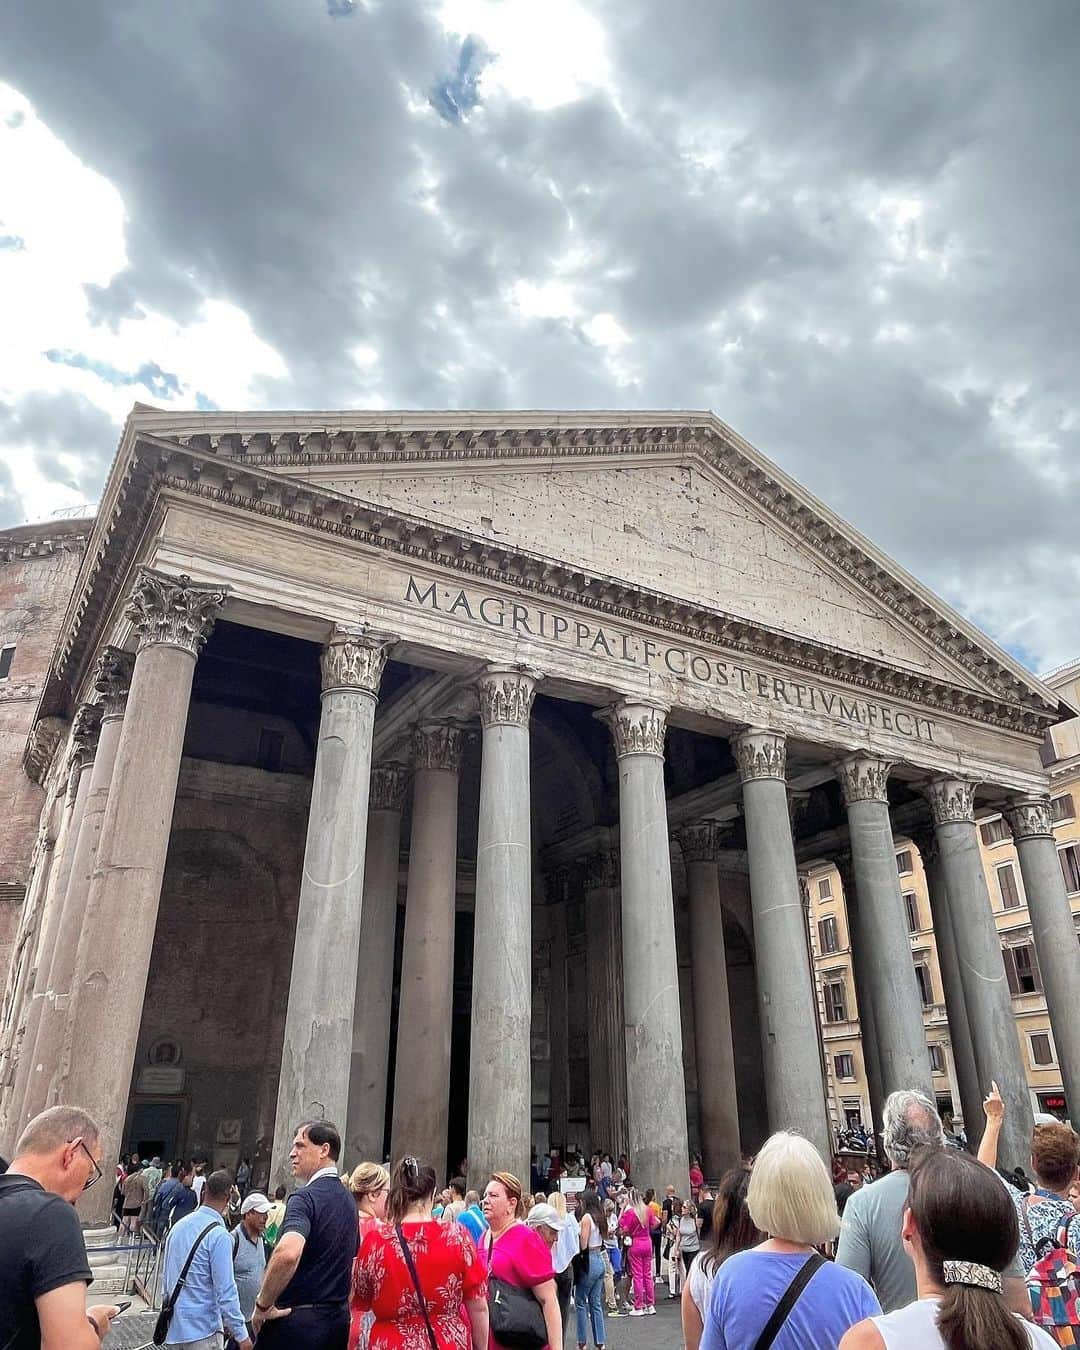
(838, 1012)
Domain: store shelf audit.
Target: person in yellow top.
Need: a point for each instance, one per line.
(656, 1234)
(274, 1217)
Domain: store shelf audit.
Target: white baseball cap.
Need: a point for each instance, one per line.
(257, 1201)
(547, 1216)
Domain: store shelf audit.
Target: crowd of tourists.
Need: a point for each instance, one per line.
(943, 1252)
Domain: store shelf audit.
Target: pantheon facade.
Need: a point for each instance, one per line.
(450, 776)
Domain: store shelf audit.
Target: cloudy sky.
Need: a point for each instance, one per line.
(850, 227)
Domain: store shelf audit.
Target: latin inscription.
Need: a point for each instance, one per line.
(615, 645)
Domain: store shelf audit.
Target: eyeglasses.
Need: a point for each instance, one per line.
(97, 1173)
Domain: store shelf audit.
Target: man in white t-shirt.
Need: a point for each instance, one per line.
(198, 1181)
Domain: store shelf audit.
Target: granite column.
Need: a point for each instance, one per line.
(717, 1101)
(500, 1064)
(790, 1050)
(982, 970)
(111, 682)
(317, 1050)
(366, 1121)
(172, 620)
(426, 1005)
(941, 913)
(894, 991)
(606, 1016)
(655, 1091)
(558, 1013)
(858, 943)
(1053, 930)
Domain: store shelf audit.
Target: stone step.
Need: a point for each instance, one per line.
(112, 1278)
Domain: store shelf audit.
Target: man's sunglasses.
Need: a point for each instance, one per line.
(96, 1175)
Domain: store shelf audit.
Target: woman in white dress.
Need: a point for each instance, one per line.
(960, 1230)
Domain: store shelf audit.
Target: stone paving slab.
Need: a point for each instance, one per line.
(662, 1332)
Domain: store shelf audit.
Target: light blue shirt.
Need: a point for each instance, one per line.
(208, 1300)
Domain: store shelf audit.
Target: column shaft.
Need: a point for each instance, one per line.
(963, 1051)
(500, 1066)
(29, 1071)
(894, 992)
(790, 1050)
(317, 1051)
(982, 970)
(375, 967)
(173, 621)
(718, 1103)
(559, 1028)
(607, 1034)
(111, 684)
(655, 1091)
(425, 1011)
(867, 1023)
(1054, 932)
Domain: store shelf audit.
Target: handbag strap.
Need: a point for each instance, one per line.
(416, 1284)
(1024, 1203)
(187, 1266)
(791, 1296)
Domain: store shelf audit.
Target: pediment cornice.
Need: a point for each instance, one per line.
(249, 468)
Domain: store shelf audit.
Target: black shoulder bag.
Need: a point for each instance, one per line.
(516, 1318)
(792, 1295)
(416, 1285)
(165, 1316)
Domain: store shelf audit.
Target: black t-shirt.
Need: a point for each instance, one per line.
(705, 1209)
(324, 1213)
(41, 1249)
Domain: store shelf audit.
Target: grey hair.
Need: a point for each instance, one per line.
(910, 1121)
(55, 1127)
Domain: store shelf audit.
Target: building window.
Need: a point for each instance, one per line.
(937, 1059)
(1042, 1049)
(1007, 887)
(1069, 857)
(271, 749)
(926, 984)
(911, 905)
(844, 1065)
(903, 862)
(1022, 970)
(852, 1113)
(1061, 808)
(994, 831)
(824, 888)
(827, 934)
(7, 655)
(835, 1001)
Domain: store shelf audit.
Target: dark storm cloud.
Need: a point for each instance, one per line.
(70, 437)
(850, 228)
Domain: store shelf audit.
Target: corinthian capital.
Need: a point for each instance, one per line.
(354, 660)
(760, 754)
(952, 800)
(1030, 817)
(637, 728)
(701, 840)
(864, 778)
(388, 784)
(112, 680)
(85, 729)
(171, 612)
(506, 695)
(438, 745)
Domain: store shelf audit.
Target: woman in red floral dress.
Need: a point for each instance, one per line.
(451, 1275)
(370, 1185)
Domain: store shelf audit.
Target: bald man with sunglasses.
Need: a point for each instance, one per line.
(43, 1266)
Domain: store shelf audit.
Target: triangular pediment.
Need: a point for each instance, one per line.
(651, 507)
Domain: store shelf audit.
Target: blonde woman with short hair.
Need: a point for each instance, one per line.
(370, 1186)
(790, 1199)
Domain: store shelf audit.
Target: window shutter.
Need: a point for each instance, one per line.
(1010, 970)
(1033, 956)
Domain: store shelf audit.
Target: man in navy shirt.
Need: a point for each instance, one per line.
(303, 1303)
